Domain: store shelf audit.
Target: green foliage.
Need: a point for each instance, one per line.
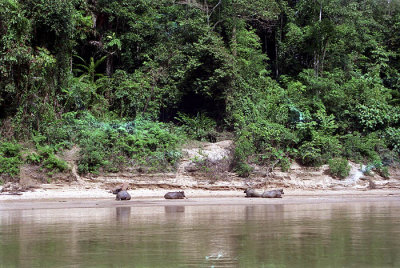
(378, 166)
(33, 158)
(45, 155)
(10, 158)
(243, 169)
(54, 163)
(10, 149)
(200, 127)
(114, 145)
(361, 148)
(10, 166)
(88, 70)
(136, 94)
(393, 139)
(293, 79)
(263, 143)
(317, 151)
(384, 172)
(339, 167)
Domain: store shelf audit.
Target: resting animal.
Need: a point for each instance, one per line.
(251, 193)
(175, 195)
(273, 194)
(123, 195)
(121, 192)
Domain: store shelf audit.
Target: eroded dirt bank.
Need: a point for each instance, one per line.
(204, 171)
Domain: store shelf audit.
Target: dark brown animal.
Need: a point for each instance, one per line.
(175, 195)
(123, 195)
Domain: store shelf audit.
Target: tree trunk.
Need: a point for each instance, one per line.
(109, 65)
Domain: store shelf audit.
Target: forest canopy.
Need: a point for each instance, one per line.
(127, 81)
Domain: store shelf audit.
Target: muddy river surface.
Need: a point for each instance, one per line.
(274, 235)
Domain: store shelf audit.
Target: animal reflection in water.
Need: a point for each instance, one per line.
(174, 209)
(123, 213)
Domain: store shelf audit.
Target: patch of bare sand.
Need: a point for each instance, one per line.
(75, 197)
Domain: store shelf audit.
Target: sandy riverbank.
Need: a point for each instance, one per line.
(91, 198)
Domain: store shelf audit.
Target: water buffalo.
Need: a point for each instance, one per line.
(251, 193)
(123, 195)
(175, 195)
(273, 194)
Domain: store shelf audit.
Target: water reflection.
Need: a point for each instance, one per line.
(174, 209)
(123, 214)
(321, 235)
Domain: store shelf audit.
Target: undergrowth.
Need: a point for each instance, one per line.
(112, 146)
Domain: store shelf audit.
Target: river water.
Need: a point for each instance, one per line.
(277, 235)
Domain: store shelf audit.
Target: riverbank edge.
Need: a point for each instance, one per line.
(56, 199)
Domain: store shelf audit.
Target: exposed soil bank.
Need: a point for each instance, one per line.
(203, 172)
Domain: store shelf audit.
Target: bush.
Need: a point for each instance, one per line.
(54, 163)
(243, 169)
(45, 156)
(384, 172)
(10, 158)
(112, 145)
(93, 153)
(263, 143)
(33, 158)
(339, 167)
(361, 148)
(200, 127)
(285, 164)
(317, 151)
(10, 166)
(393, 139)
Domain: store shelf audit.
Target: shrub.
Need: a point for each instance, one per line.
(200, 127)
(33, 158)
(243, 169)
(113, 145)
(317, 151)
(379, 167)
(339, 167)
(10, 165)
(360, 148)
(10, 158)
(46, 156)
(285, 163)
(393, 139)
(54, 163)
(384, 172)
(93, 156)
(264, 143)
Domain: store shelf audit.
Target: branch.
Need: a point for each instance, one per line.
(216, 24)
(219, 2)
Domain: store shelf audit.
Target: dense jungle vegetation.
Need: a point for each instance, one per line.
(314, 81)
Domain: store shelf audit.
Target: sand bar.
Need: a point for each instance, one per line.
(98, 198)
